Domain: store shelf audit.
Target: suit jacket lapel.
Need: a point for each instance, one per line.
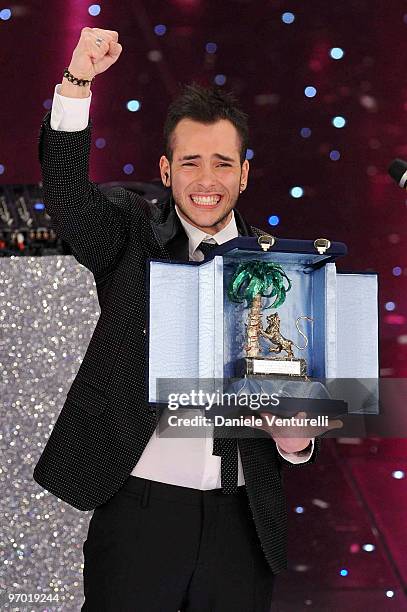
(169, 231)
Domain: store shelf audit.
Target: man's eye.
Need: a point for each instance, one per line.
(224, 165)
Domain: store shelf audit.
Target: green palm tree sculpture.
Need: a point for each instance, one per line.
(251, 281)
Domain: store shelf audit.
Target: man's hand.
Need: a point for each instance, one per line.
(293, 438)
(89, 59)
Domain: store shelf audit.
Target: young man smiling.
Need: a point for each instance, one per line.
(206, 184)
(167, 533)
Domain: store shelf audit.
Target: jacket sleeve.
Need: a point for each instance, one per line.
(312, 459)
(95, 226)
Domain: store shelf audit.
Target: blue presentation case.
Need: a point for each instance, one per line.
(195, 332)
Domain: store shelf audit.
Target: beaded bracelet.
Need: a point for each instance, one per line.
(75, 80)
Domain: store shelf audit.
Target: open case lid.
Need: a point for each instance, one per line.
(282, 249)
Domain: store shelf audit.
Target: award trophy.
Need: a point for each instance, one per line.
(286, 375)
(252, 281)
(298, 327)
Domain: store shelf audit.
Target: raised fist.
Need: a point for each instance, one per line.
(95, 52)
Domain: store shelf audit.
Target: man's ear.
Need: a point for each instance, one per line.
(244, 175)
(245, 170)
(165, 171)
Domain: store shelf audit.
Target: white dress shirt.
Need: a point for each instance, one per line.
(186, 462)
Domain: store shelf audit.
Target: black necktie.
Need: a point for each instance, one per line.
(206, 248)
(226, 448)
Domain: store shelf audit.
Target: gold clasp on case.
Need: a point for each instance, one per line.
(266, 241)
(322, 245)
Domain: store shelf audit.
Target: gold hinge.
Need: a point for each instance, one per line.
(266, 241)
(322, 245)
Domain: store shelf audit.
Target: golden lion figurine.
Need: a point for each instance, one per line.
(273, 334)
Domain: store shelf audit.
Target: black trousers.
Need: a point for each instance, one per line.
(155, 547)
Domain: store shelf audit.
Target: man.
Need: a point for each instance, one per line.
(165, 534)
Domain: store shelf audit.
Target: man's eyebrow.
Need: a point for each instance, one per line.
(217, 155)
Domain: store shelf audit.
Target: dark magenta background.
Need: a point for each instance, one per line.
(351, 200)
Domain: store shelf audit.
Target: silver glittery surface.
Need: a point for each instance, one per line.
(48, 311)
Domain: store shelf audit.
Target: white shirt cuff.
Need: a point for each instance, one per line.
(69, 114)
(296, 457)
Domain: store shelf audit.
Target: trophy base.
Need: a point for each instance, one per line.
(277, 367)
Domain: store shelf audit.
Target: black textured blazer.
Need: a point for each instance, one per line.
(105, 422)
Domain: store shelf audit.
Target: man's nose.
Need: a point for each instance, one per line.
(207, 178)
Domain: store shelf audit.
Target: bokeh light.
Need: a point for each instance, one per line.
(339, 122)
(336, 53)
(220, 79)
(273, 220)
(211, 47)
(94, 10)
(160, 29)
(100, 143)
(297, 192)
(305, 132)
(288, 17)
(5, 14)
(128, 168)
(310, 91)
(133, 105)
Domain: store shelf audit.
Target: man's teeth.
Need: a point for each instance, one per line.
(206, 199)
